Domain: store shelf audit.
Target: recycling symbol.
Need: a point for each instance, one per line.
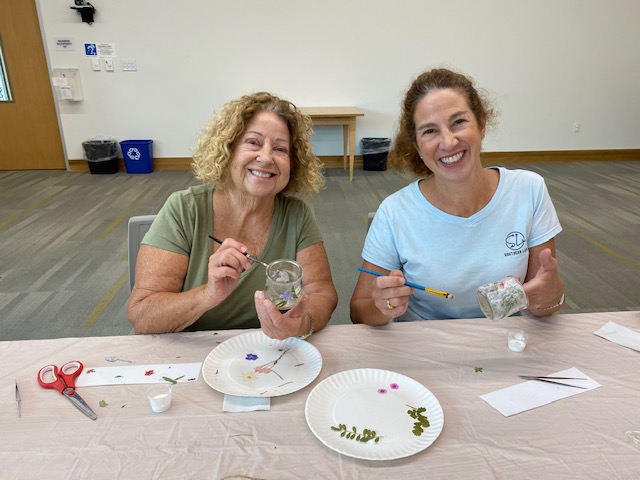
(133, 153)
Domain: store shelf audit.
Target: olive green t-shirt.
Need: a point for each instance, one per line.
(183, 226)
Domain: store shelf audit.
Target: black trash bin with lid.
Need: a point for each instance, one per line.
(101, 154)
(374, 153)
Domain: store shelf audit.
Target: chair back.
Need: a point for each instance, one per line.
(137, 228)
(370, 219)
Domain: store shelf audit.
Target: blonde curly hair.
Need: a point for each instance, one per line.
(403, 155)
(214, 148)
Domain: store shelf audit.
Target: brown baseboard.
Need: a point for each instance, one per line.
(336, 161)
(561, 156)
(184, 163)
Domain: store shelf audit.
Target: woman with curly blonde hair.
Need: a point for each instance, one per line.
(255, 159)
(213, 150)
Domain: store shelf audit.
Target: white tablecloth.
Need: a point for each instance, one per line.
(583, 436)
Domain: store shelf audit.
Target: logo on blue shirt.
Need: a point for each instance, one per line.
(515, 241)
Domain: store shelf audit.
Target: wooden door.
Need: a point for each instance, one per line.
(29, 132)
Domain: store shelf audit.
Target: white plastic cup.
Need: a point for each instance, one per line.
(517, 340)
(160, 398)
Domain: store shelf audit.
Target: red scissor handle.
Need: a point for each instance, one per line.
(63, 378)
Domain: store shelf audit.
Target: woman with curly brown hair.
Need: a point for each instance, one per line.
(460, 225)
(254, 159)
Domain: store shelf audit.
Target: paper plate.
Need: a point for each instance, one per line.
(254, 365)
(375, 400)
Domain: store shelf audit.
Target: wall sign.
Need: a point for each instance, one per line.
(65, 44)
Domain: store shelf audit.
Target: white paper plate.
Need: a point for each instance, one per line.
(244, 365)
(377, 400)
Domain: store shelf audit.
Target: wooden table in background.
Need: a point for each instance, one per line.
(345, 116)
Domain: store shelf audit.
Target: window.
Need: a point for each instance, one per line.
(5, 91)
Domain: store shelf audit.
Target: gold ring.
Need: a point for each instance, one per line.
(389, 306)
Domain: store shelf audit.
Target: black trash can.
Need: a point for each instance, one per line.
(101, 154)
(374, 153)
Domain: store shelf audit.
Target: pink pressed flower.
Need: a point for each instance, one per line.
(394, 386)
(262, 370)
(382, 391)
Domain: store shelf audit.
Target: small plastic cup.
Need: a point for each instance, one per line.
(160, 398)
(284, 283)
(498, 300)
(517, 340)
(633, 437)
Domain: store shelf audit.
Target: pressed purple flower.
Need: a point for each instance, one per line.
(382, 391)
(394, 386)
(287, 296)
(252, 356)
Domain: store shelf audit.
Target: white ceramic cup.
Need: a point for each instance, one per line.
(160, 398)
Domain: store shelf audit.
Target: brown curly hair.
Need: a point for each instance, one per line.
(214, 148)
(403, 155)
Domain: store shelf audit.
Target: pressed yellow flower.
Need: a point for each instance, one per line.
(248, 376)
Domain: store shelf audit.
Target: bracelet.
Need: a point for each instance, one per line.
(311, 327)
(559, 304)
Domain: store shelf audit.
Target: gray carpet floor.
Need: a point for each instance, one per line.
(63, 260)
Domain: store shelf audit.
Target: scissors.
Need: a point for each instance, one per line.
(64, 382)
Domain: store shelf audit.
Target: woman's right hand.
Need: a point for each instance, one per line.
(224, 269)
(390, 294)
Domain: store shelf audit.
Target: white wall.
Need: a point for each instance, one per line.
(546, 63)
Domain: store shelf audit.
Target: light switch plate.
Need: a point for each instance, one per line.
(95, 64)
(108, 64)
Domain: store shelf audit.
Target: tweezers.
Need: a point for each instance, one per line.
(248, 255)
(552, 380)
(18, 399)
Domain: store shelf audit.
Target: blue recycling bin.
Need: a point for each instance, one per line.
(138, 155)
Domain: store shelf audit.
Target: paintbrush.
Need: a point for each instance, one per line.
(413, 285)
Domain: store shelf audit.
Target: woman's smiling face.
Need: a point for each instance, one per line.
(261, 164)
(448, 136)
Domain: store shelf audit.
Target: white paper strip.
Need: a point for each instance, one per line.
(533, 394)
(134, 374)
(621, 335)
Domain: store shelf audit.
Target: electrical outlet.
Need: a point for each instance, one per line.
(129, 64)
(576, 127)
(95, 64)
(108, 64)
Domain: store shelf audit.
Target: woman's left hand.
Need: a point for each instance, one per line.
(274, 324)
(546, 288)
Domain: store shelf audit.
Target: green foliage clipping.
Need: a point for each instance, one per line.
(353, 434)
(171, 380)
(422, 421)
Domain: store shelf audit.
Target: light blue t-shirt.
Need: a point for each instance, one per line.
(455, 254)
